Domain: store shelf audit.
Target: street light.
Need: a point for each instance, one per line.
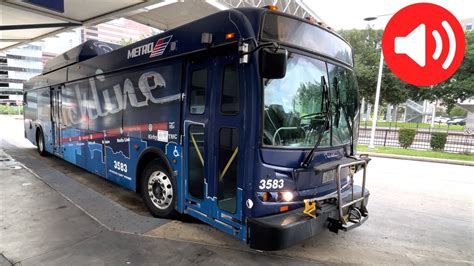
(377, 91)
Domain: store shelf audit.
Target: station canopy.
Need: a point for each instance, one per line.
(25, 21)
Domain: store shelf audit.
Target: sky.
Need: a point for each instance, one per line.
(350, 14)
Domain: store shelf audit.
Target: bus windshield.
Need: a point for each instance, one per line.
(294, 106)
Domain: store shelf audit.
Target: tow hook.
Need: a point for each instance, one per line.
(335, 225)
(354, 218)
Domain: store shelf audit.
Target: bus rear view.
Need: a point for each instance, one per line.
(245, 119)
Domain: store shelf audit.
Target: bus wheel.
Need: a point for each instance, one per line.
(40, 143)
(158, 189)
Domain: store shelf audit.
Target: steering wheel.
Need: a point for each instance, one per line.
(316, 115)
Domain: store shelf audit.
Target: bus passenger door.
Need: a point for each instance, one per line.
(212, 137)
(197, 197)
(56, 120)
(227, 131)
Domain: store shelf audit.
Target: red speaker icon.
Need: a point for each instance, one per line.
(414, 55)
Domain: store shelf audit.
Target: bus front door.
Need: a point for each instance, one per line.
(56, 120)
(212, 137)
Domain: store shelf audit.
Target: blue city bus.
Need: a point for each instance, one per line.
(245, 119)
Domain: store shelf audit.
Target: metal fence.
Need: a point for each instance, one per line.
(457, 141)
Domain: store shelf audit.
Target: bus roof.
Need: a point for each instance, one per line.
(78, 54)
(95, 57)
(178, 41)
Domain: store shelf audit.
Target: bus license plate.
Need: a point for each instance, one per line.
(328, 176)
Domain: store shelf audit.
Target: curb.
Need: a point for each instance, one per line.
(415, 158)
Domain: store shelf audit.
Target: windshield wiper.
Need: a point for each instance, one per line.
(325, 99)
(338, 102)
(338, 113)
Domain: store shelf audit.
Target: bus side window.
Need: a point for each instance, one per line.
(197, 99)
(230, 95)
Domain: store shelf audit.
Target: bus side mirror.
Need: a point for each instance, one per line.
(273, 63)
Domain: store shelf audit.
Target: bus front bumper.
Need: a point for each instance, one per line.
(279, 231)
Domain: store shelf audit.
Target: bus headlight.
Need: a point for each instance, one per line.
(285, 196)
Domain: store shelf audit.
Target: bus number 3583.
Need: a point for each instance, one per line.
(120, 166)
(271, 183)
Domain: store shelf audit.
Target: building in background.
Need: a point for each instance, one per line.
(16, 66)
(20, 64)
(467, 24)
(65, 41)
(118, 31)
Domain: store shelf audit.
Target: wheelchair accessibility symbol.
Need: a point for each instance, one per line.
(176, 152)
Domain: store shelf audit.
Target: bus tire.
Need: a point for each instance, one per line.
(158, 189)
(40, 143)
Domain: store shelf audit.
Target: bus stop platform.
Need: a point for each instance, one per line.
(50, 219)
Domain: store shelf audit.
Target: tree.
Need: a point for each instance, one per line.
(461, 85)
(366, 56)
(307, 91)
(126, 42)
(457, 111)
(366, 49)
(395, 91)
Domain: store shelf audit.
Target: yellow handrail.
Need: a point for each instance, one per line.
(197, 149)
(229, 163)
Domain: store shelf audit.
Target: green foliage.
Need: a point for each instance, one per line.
(406, 137)
(366, 58)
(461, 84)
(420, 125)
(366, 45)
(10, 110)
(457, 111)
(438, 140)
(126, 42)
(307, 91)
(366, 50)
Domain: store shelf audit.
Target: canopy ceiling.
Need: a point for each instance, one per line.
(22, 22)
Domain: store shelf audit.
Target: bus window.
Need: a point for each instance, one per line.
(230, 96)
(197, 102)
(196, 161)
(343, 84)
(228, 151)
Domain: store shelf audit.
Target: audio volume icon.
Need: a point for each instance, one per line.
(414, 45)
(423, 44)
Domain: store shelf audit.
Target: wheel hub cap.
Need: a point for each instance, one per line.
(160, 190)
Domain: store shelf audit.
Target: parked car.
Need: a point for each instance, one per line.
(457, 121)
(441, 119)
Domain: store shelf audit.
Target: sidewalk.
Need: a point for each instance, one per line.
(41, 227)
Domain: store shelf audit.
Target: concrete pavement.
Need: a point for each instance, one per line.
(39, 226)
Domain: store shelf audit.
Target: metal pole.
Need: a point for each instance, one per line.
(376, 104)
(433, 112)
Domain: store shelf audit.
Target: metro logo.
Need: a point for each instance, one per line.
(160, 46)
(154, 50)
(140, 50)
